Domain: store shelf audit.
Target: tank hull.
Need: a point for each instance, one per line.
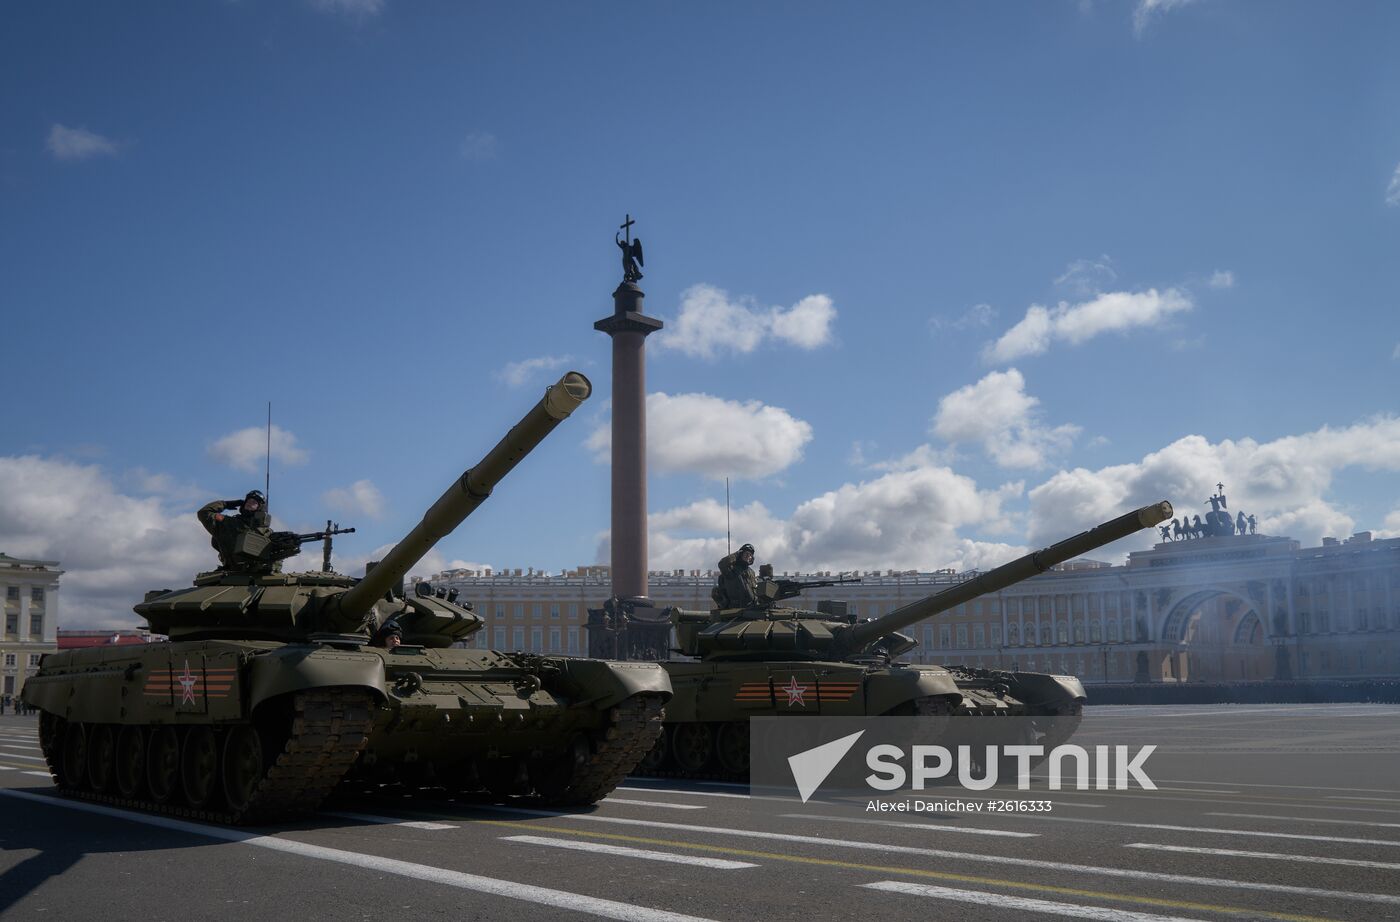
(706, 728)
(257, 731)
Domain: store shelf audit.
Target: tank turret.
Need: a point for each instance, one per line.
(266, 605)
(769, 631)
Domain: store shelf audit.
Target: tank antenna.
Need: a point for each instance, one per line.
(727, 539)
(267, 468)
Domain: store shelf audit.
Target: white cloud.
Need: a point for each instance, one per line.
(355, 9)
(478, 146)
(79, 144)
(1076, 323)
(1086, 277)
(113, 547)
(711, 322)
(517, 374)
(905, 519)
(246, 449)
(713, 437)
(1284, 482)
(1391, 527)
(1147, 9)
(1222, 278)
(1392, 191)
(998, 413)
(360, 498)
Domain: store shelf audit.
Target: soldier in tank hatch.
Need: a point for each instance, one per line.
(224, 529)
(736, 586)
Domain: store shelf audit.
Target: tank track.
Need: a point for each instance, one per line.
(633, 731)
(329, 728)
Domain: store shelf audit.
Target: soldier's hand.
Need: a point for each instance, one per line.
(232, 503)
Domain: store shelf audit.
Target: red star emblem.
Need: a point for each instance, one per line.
(795, 692)
(187, 682)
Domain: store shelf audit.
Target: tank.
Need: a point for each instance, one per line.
(773, 661)
(268, 693)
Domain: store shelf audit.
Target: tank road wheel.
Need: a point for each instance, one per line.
(551, 776)
(244, 766)
(732, 747)
(75, 756)
(199, 766)
(101, 758)
(657, 755)
(130, 761)
(692, 745)
(163, 764)
(502, 777)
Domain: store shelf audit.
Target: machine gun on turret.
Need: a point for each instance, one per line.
(771, 590)
(259, 551)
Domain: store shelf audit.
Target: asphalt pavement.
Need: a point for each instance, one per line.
(1219, 839)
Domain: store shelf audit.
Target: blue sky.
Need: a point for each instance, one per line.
(941, 281)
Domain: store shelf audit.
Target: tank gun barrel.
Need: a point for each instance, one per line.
(1007, 574)
(470, 491)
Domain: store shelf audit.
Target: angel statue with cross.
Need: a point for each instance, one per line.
(631, 253)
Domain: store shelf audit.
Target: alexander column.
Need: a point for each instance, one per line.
(629, 327)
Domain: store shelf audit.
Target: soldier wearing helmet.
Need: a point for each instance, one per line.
(225, 529)
(736, 585)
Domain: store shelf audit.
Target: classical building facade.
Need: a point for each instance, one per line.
(30, 626)
(1237, 607)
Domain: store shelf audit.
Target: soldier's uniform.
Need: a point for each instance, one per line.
(225, 529)
(736, 586)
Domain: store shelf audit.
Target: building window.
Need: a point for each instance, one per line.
(36, 625)
(928, 636)
(979, 636)
(1079, 633)
(962, 636)
(945, 637)
(36, 595)
(1013, 634)
(12, 593)
(1045, 640)
(573, 641)
(12, 624)
(1096, 632)
(519, 637)
(500, 609)
(554, 611)
(537, 640)
(554, 638)
(1062, 631)
(996, 635)
(34, 658)
(573, 611)
(1113, 632)
(537, 611)
(520, 609)
(500, 638)
(481, 638)
(10, 660)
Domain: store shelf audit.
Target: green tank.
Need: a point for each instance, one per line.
(771, 661)
(268, 693)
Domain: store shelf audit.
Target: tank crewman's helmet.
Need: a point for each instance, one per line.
(255, 506)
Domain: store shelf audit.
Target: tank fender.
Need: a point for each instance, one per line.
(887, 690)
(1039, 690)
(603, 683)
(299, 667)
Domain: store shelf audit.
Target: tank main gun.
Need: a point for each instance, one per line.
(860, 635)
(463, 497)
(289, 607)
(766, 632)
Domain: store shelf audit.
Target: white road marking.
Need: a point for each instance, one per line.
(15, 755)
(1299, 787)
(626, 787)
(1381, 800)
(1276, 856)
(936, 827)
(984, 857)
(39, 775)
(1022, 903)
(1211, 829)
(544, 896)
(1305, 819)
(391, 821)
(622, 851)
(654, 803)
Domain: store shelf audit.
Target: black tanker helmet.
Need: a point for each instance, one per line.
(746, 547)
(260, 514)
